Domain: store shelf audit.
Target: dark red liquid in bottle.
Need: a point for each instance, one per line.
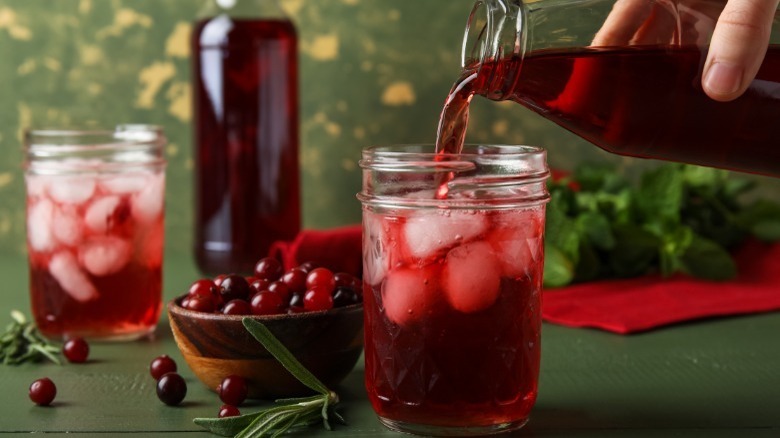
(246, 137)
(640, 101)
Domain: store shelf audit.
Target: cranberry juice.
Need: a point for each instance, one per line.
(95, 248)
(642, 102)
(452, 302)
(246, 136)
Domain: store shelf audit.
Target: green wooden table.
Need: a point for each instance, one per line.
(717, 378)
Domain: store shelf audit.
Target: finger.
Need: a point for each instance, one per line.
(660, 27)
(622, 22)
(738, 46)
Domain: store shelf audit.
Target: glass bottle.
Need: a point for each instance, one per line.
(245, 75)
(624, 75)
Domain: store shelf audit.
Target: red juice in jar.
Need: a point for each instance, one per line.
(452, 300)
(95, 239)
(246, 138)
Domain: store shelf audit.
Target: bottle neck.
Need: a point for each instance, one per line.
(494, 44)
(267, 9)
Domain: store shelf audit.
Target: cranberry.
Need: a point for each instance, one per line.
(296, 303)
(233, 390)
(218, 279)
(258, 285)
(266, 303)
(295, 279)
(280, 289)
(228, 411)
(268, 268)
(237, 307)
(343, 279)
(318, 298)
(161, 365)
(234, 287)
(321, 278)
(76, 350)
(250, 279)
(200, 304)
(344, 297)
(185, 302)
(42, 391)
(203, 287)
(171, 389)
(307, 266)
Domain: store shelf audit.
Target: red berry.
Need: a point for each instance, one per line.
(344, 296)
(43, 391)
(318, 298)
(280, 289)
(218, 279)
(203, 287)
(321, 278)
(266, 303)
(269, 269)
(343, 279)
(185, 302)
(76, 350)
(250, 279)
(307, 266)
(233, 390)
(171, 389)
(228, 411)
(161, 365)
(234, 287)
(295, 279)
(296, 303)
(200, 304)
(258, 285)
(237, 307)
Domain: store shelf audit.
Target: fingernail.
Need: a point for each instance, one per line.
(723, 78)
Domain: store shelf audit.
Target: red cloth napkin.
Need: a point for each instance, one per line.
(640, 304)
(620, 306)
(338, 249)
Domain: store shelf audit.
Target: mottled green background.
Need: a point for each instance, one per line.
(372, 72)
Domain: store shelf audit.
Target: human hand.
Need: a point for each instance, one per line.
(737, 48)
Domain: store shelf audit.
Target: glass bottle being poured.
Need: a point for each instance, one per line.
(626, 76)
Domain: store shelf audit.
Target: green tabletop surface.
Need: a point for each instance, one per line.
(712, 378)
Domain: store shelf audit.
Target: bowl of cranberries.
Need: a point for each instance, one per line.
(316, 313)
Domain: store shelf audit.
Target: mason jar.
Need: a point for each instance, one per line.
(95, 208)
(453, 258)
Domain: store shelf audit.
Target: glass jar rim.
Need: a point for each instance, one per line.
(55, 139)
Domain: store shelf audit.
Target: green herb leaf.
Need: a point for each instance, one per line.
(596, 227)
(706, 259)
(558, 269)
(634, 252)
(283, 355)
(661, 193)
(288, 414)
(21, 342)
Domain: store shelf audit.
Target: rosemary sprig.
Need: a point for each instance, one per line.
(287, 414)
(21, 342)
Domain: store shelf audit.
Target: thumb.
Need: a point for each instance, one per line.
(738, 46)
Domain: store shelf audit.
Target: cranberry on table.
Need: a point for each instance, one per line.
(43, 391)
(233, 390)
(321, 278)
(237, 307)
(162, 365)
(268, 268)
(280, 289)
(234, 287)
(228, 411)
(171, 389)
(295, 279)
(317, 298)
(76, 350)
(266, 303)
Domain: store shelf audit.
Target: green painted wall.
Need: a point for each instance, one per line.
(372, 72)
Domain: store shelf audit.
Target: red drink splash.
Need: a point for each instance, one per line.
(246, 135)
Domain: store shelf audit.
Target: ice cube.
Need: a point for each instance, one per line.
(409, 294)
(375, 251)
(430, 232)
(72, 189)
(36, 185)
(39, 226)
(65, 269)
(105, 255)
(148, 204)
(125, 183)
(517, 241)
(471, 277)
(67, 227)
(102, 213)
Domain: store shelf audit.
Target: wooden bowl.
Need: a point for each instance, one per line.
(327, 343)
